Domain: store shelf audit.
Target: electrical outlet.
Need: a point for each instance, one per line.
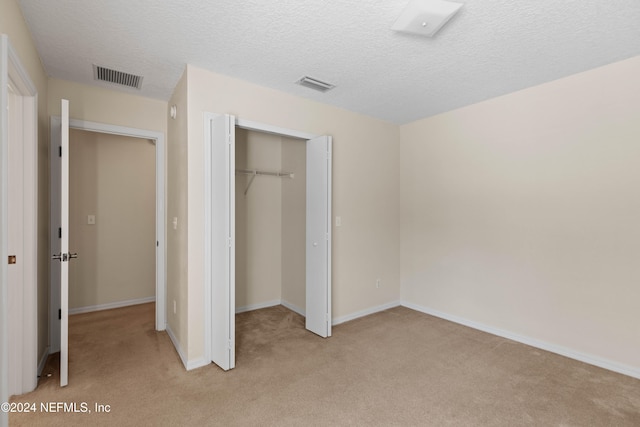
(378, 281)
(338, 221)
(174, 307)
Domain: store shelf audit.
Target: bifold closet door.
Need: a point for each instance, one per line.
(318, 246)
(222, 252)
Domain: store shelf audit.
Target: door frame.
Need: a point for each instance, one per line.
(252, 126)
(25, 321)
(161, 285)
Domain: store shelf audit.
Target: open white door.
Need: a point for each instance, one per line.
(62, 254)
(220, 254)
(318, 287)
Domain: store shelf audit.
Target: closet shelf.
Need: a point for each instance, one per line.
(255, 172)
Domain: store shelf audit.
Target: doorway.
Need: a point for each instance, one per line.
(58, 332)
(111, 221)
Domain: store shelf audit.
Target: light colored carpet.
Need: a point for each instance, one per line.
(395, 368)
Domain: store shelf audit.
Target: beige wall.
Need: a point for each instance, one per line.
(12, 23)
(177, 253)
(111, 177)
(521, 213)
(294, 223)
(365, 190)
(106, 106)
(258, 220)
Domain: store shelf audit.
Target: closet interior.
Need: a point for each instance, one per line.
(270, 221)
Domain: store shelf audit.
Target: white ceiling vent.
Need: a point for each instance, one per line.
(425, 17)
(118, 77)
(315, 84)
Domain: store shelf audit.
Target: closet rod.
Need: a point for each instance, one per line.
(259, 172)
(255, 172)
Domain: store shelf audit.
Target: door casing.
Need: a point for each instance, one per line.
(18, 324)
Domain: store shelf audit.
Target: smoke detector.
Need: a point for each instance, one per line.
(425, 17)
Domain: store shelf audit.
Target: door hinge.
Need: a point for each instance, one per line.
(229, 345)
(12, 259)
(59, 232)
(229, 242)
(59, 314)
(327, 237)
(60, 151)
(229, 139)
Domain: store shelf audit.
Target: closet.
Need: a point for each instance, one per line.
(282, 243)
(270, 219)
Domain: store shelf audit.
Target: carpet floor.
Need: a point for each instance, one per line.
(394, 368)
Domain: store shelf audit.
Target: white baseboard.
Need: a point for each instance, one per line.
(257, 306)
(553, 348)
(302, 311)
(176, 345)
(188, 365)
(365, 312)
(111, 305)
(198, 364)
(292, 307)
(43, 360)
(272, 303)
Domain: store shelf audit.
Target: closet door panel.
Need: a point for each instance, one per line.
(222, 251)
(318, 262)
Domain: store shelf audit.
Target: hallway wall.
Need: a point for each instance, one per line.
(112, 177)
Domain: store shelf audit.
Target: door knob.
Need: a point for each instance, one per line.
(73, 255)
(57, 256)
(315, 243)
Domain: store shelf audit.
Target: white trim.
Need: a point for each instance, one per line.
(176, 345)
(195, 364)
(365, 312)
(293, 307)
(543, 345)
(109, 306)
(329, 227)
(13, 73)
(275, 130)
(268, 304)
(188, 365)
(207, 235)
(252, 307)
(4, 212)
(43, 360)
(159, 140)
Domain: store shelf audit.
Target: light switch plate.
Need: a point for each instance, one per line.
(91, 219)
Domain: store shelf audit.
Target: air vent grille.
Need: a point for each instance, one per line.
(315, 84)
(117, 77)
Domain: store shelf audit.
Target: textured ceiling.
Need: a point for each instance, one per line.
(490, 48)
